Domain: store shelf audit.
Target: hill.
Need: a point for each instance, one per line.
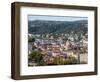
(43, 26)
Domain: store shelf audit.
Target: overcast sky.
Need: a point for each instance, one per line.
(55, 18)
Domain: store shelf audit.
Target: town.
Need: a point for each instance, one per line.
(57, 49)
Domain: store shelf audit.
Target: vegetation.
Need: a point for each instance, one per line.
(31, 39)
(37, 57)
(57, 27)
(71, 60)
(62, 61)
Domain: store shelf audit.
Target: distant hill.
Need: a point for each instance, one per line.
(43, 26)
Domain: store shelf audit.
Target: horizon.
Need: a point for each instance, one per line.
(55, 18)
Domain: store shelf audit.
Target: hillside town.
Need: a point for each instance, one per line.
(58, 49)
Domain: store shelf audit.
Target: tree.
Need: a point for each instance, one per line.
(58, 61)
(31, 39)
(62, 61)
(71, 60)
(37, 57)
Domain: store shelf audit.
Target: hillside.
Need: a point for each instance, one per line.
(42, 26)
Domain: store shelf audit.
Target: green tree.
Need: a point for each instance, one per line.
(31, 39)
(58, 60)
(62, 61)
(37, 57)
(71, 60)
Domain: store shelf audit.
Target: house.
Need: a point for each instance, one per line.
(55, 54)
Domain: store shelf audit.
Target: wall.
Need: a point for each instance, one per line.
(5, 40)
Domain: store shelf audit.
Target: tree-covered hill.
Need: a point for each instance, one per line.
(43, 26)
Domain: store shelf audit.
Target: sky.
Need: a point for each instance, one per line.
(55, 18)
